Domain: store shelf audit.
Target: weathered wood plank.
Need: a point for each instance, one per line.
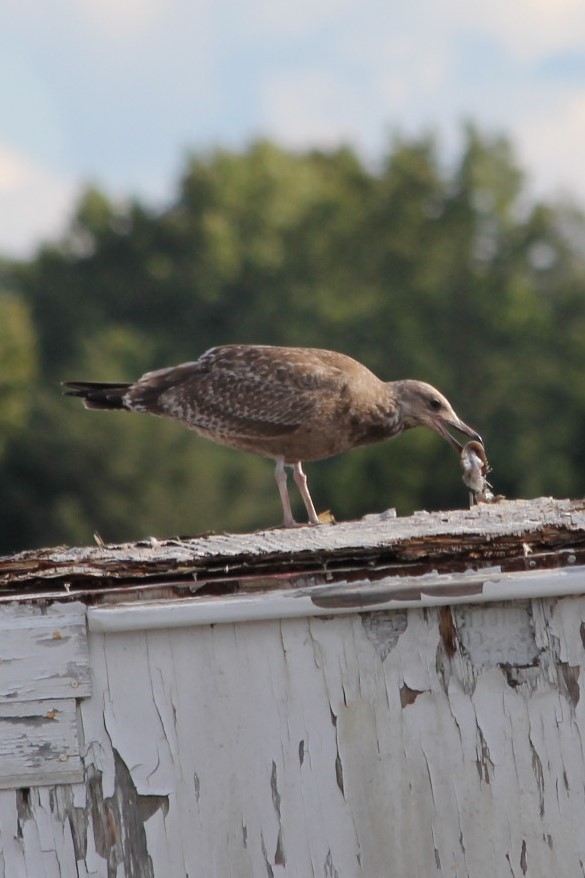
(490, 530)
(43, 652)
(39, 743)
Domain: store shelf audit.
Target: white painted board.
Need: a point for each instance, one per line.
(43, 652)
(430, 741)
(39, 743)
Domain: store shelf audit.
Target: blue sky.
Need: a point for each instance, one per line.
(117, 92)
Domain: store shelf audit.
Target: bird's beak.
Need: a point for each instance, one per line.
(441, 425)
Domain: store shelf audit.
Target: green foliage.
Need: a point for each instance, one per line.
(17, 366)
(450, 276)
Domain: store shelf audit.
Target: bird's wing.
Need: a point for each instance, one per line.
(242, 391)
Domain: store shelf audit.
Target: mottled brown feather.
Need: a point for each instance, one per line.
(300, 403)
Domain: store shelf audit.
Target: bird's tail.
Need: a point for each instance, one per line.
(97, 394)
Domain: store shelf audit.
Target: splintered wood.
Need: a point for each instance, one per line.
(487, 535)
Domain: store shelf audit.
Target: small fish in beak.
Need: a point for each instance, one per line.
(475, 466)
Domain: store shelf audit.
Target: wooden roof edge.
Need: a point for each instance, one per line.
(471, 536)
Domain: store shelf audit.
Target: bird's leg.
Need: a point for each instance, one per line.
(301, 482)
(281, 477)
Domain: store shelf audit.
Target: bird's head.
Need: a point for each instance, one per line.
(421, 405)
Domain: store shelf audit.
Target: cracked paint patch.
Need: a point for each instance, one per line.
(485, 766)
(279, 857)
(329, 870)
(118, 822)
(448, 631)
(539, 775)
(115, 824)
(267, 864)
(383, 629)
(408, 695)
(569, 682)
(338, 762)
(501, 634)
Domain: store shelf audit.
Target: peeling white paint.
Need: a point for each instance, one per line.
(38, 743)
(43, 652)
(44, 670)
(356, 746)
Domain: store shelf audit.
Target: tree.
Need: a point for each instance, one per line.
(18, 350)
(447, 275)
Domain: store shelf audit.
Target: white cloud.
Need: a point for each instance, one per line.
(527, 29)
(310, 107)
(376, 79)
(114, 91)
(121, 20)
(261, 19)
(432, 65)
(34, 203)
(551, 143)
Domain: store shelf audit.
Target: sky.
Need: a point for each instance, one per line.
(116, 93)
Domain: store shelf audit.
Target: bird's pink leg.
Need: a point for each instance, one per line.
(280, 474)
(301, 482)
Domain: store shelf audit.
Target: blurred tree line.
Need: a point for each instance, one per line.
(448, 275)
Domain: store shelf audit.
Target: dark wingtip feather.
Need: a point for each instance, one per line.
(97, 394)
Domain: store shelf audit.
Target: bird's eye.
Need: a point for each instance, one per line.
(435, 404)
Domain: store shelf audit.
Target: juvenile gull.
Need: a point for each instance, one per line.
(289, 404)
